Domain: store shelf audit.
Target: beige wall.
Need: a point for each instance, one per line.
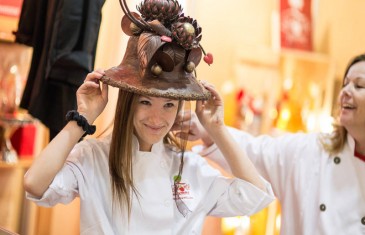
(340, 32)
(227, 25)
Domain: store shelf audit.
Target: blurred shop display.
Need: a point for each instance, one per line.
(265, 222)
(8, 126)
(18, 133)
(249, 111)
(306, 93)
(286, 91)
(14, 65)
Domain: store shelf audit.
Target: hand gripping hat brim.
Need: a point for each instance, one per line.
(155, 64)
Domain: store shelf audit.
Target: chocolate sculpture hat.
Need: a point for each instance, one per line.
(162, 54)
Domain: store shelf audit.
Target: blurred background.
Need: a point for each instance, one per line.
(277, 63)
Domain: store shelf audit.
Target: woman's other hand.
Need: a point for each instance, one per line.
(210, 112)
(92, 97)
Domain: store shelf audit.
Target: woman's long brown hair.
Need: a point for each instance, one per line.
(120, 156)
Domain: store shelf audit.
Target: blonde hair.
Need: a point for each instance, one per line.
(335, 142)
(120, 156)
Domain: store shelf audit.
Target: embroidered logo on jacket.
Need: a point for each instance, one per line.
(183, 190)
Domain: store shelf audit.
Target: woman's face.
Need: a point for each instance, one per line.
(153, 119)
(352, 98)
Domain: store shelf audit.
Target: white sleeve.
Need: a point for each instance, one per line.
(274, 157)
(66, 184)
(63, 189)
(212, 152)
(240, 198)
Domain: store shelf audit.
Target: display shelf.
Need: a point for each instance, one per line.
(12, 194)
(307, 80)
(303, 79)
(20, 164)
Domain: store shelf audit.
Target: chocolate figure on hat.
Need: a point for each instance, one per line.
(162, 53)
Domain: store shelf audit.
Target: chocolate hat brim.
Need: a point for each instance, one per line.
(124, 79)
(127, 76)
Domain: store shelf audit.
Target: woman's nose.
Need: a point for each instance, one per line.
(155, 115)
(347, 89)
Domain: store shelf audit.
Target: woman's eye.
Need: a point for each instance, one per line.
(169, 105)
(145, 102)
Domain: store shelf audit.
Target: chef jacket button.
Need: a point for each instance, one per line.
(163, 164)
(337, 160)
(322, 207)
(363, 220)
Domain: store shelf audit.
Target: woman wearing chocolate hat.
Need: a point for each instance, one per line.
(318, 178)
(140, 180)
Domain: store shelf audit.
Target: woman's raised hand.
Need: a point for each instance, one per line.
(210, 112)
(91, 96)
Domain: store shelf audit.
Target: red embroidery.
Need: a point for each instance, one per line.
(183, 190)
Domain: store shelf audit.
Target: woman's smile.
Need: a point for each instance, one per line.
(154, 128)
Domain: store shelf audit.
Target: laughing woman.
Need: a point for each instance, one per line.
(318, 178)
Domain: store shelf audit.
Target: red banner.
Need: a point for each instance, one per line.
(11, 8)
(296, 24)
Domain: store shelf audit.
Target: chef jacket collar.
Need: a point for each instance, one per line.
(156, 148)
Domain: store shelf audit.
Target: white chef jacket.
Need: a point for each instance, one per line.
(319, 194)
(202, 189)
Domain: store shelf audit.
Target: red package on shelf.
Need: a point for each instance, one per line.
(23, 140)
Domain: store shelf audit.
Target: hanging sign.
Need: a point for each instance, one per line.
(10, 8)
(296, 24)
